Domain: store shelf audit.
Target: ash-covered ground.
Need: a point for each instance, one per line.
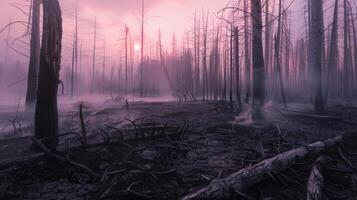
(211, 142)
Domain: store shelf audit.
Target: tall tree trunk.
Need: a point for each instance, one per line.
(72, 68)
(126, 59)
(316, 42)
(231, 68)
(332, 54)
(237, 67)
(34, 56)
(247, 53)
(277, 55)
(142, 51)
(258, 61)
(46, 113)
(225, 69)
(94, 52)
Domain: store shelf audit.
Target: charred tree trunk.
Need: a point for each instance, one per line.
(94, 52)
(332, 54)
(231, 68)
(237, 66)
(142, 51)
(277, 55)
(126, 59)
(258, 61)
(247, 53)
(46, 113)
(34, 56)
(316, 43)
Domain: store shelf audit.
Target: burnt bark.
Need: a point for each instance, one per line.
(258, 61)
(316, 46)
(34, 56)
(46, 113)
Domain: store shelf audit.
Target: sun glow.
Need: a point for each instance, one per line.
(137, 47)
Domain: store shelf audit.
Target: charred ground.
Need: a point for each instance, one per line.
(201, 142)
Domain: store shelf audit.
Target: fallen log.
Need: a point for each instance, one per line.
(315, 185)
(247, 177)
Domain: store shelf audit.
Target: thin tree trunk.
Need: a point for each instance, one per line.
(247, 53)
(126, 59)
(142, 51)
(94, 52)
(237, 67)
(231, 68)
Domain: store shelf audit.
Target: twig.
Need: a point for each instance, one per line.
(345, 159)
(83, 128)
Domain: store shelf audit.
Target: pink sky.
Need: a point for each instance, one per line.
(171, 16)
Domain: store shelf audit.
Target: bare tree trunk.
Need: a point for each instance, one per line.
(225, 70)
(34, 56)
(258, 61)
(72, 68)
(94, 52)
(46, 113)
(142, 51)
(355, 48)
(231, 68)
(237, 67)
(332, 55)
(247, 53)
(126, 59)
(76, 49)
(103, 74)
(316, 42)
(277, 55)
(204, 57)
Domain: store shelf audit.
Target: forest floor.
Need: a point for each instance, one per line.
(217, 143)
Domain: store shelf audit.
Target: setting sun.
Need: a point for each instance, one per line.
(137, 47)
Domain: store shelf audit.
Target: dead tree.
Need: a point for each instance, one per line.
(277, 55)
(332, 54)
(316, 43)
(126, 59)
(247, 53)
(267, 47)
(46, 112)
(204, 58)
(236, 39)
(258, 61)
(94, 52)
(34, 56)
(231, 66)
(72, 67)
(142, 51)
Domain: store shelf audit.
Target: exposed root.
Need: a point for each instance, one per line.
(245, 178)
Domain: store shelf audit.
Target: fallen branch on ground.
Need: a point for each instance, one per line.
(247, 177)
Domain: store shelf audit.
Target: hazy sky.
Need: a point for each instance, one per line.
(171, 16)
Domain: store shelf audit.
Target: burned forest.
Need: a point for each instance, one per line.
(186, 100)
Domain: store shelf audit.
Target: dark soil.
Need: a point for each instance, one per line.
(214, 146)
